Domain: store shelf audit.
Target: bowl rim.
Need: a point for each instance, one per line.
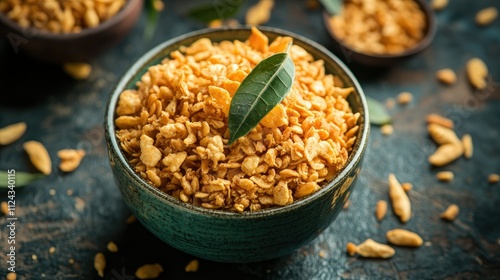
(421, 45)
(35, 33)
(148, 57)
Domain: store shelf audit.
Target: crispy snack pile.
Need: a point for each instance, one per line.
(60, 16)
(174, 128)
(380, 26)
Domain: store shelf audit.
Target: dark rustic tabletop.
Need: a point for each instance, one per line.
(80, 212)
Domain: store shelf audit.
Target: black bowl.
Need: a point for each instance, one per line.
(385, 60)
(71, 47)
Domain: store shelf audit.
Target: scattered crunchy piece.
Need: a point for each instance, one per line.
(78, 70)
(386, 129)
(442, 135)
(39, 156)
(34, 257)
(79, 204)
(322, 254)
(450, 213)
(446, 176)
(439, 4)
(405, 98)
(347, 204)
(52, 250)
(468, 146)
(69, 192)
(372, 249)
(260, 13)
(401, 237)
(52, 192)
(390, 103)
(375, 27)
(192, 266)
(71, 261)
(149, 271)
(493, 178)
(486, 16)
(380, 210)
(399, 198)
(112, 247)
(351, 249)
(131, 219)
(446, 76)
(450, 147)
(407, 186)
(11, 133)
(100, 264)
(11, 276)
(216, 23)
(440, 120)
(158, 5)
(70, 159)
(4, 208)
(60, 16)
(477, 72)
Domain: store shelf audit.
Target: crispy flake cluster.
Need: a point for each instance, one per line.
(174, 128)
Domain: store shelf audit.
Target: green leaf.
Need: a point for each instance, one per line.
(266, 86)
(220, 9)
(21, 178)
(333, 7)
(151, 21)
(378, 113)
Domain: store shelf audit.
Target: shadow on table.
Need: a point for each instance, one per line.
(138, 247)
(26, 81)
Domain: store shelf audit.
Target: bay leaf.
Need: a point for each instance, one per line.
(21, 178)
(332, 7)
(262, 89)
(222, 10)
(378, 113)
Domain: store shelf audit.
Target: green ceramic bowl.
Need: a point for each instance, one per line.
(222, 235)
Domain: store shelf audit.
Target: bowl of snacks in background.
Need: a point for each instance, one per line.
(380, 33)
(67, 31)
(237, 145)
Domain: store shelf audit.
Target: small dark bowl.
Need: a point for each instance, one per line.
(72, 47)
(385, 60)
(223, 235)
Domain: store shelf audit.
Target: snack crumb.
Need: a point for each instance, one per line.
(192, 266)
(52, 250)
(450, 213)
(149, 271)
(405, 98)
(386, 129)
(4, 208)
(78, 71)
(100, 264)
(11, 276)
(407, 186)
(486, 16)
(52, 192)
(390, 103)
(131, 219)
(380, 210)
(347, 203)
(351, 249)
(427, 243)
(446, 76)
(322, 254)
(34, 257)
(69, 192)
(445, 176)
(112, 247)
(493, 178)
(71, 261)
(438, 5)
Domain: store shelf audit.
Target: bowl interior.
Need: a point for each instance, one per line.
(155, 56)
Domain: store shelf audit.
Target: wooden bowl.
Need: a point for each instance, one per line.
(71, 47)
